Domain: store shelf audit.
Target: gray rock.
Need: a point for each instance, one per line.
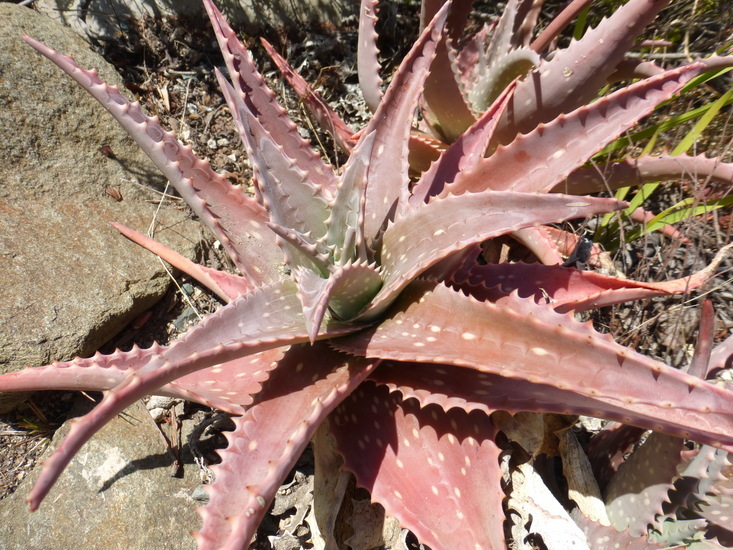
(70, 281)
(105, 19)
(116, 494)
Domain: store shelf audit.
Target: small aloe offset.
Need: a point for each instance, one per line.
(367, 303)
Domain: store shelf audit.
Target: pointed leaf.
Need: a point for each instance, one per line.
(562, 20)
(427, 235)
(701, 359)
(646, 169)
(495, 78)
(234, 331)
(636, 493)
(292, 201)
(437, 472)
(443, 105)
(345, 292)
(345, 232)
(300, 251)
(721, 357)
(270, 437)
(368, 55)
(463, 154)
(227, 387)
(388, 175)
(354, 285)
(327, 118)
(519, 339)
(225, 285)
(234, 218)
(540, 242)
(601, 537)
(541, 159)
(566, 288)
(314, 292)
(562, 84)
(260, 100)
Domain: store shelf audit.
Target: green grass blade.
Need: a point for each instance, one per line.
(683, 210)
(609, 225)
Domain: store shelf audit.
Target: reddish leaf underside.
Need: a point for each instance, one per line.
(436, 471)
(566, 288)
(232, 332)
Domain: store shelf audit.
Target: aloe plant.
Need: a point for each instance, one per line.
(365, 305)
(468, 74)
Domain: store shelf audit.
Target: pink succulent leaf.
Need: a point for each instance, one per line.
(368, 55)
(716, 510)
(515, 29)
(210, 195)
(463, 154)
(526, 22)
(561, 84)
(566, 288)
(721, 357)
(602, 537)
(424, 150)
(470, 60)
(302, 252)
(465, 388)
(227, 386)
(540, 243)
(260, 100)
(314, 292)
(427, 235)
(445, 269)
(519, 339)
(558, 23)
(225, 285)
(326, 117)
(502, 72)
(708, 467)
(646, 169)
(346, 291)
(504, 55)
(232, 332)
(507, 55)
(457, 270)
(387, 169)
(714, 494)
(234, 381)
(635, 495)
(607, 448)
(353, 286)
(436, 471)
(291, 199)
(541, 159)
(345, 233)
(100, 372)
(469, 389)
(629, 69)
(270, 437)
(719, 529)
(701, 359)
(442, 102)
